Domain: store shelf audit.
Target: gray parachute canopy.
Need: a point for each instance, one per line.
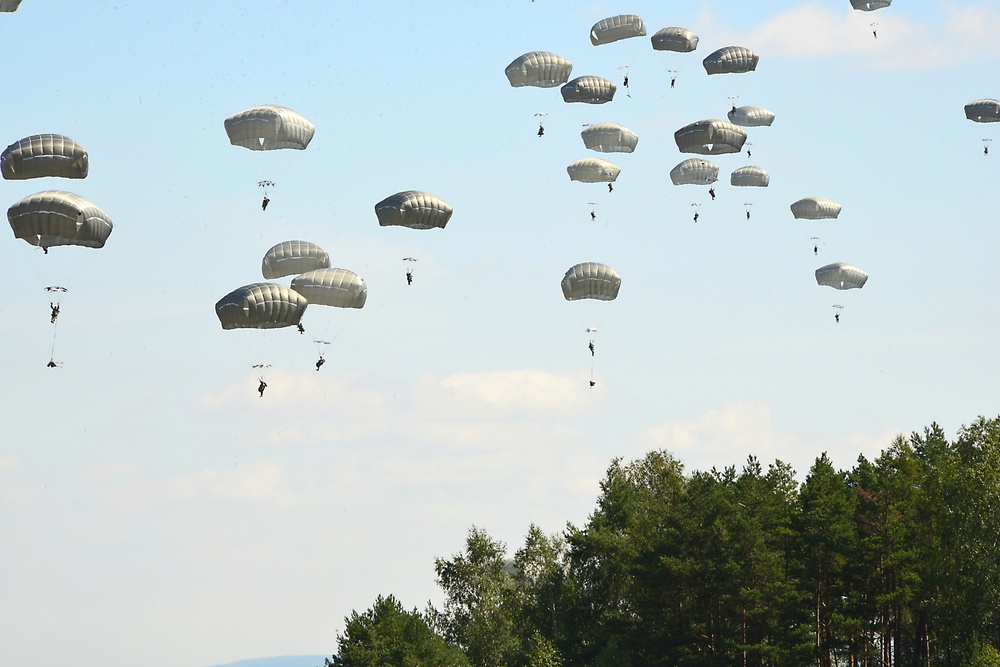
(983, 111)
(695, 171)
(815, 208)
(589, 90)
(413, 209)
(870, 5)
(841, 276)
(540, 69)
(269, 127)
(749, 177)
(751, 117)
(290, 258)
(55, 218)
(710, 137)
(615, 28)
(339, 288)
(9, 5)
(680, 40)
(261, 306)
(42, 155)
(591, 280)
(731, 60)
(593, 170)
(609, 138)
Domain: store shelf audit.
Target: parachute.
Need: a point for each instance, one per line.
(731, 60)
(749, 177)
(710, 137)
(589, 90)
(680, 40)
(591, 280)
(413, 209)
(593, 170)
(540, 69)
(615, 28)
(983, 111)
(751, 117)
(9, 5)
(841, 276)
(339, 288)
(58, 218)
(695, 171)
(261, 306)
(293, 257)
(609, 138)
(269, 127)
(815, 208)
(870, 5)
(42, 155)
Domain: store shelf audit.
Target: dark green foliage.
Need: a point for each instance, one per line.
(389, 636)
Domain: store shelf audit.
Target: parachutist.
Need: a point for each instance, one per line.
(301, 328)
(611, 188)
(593, 215)
(875, 32)
(541, 130)
(748, 152)
(696, 216)
(711, 191)
(263, 204)
(590, 346)
(986, 151)
(261, 387)
(55, 312)
(45, 250)
(592, 383)
(409, 277)
(836, 316)
(673, 80)
(815, 249)
(320, 362)
(625, 82)
(51, 364)
(748, 215)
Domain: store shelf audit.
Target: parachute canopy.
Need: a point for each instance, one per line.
(710, 137)
(55, 218)
(983, 111)
(339, 288)
(413, 209)
(591, 280)
(615, 28)
(261, 306)
(9, 5)
(751, 117)
(609, 138)
(269, 127)
(42, 155)
(540, 69)
(749, 177)
(695, 171)
(680, 40)
(815, 208)
(841, 276)
(589, 90)
(731, 60)
(870, 5)
(293, 257)
(593, 170)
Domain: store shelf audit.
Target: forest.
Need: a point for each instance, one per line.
(894, 562)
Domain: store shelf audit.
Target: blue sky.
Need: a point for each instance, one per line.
(156, 509)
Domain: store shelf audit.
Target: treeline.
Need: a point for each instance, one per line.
(895, 562)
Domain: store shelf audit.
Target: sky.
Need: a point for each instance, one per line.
(156, 509)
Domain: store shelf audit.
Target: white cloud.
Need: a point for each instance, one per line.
(814, 30)
(109, 471)
(727, 435)
(259, 482)
(9, 463)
